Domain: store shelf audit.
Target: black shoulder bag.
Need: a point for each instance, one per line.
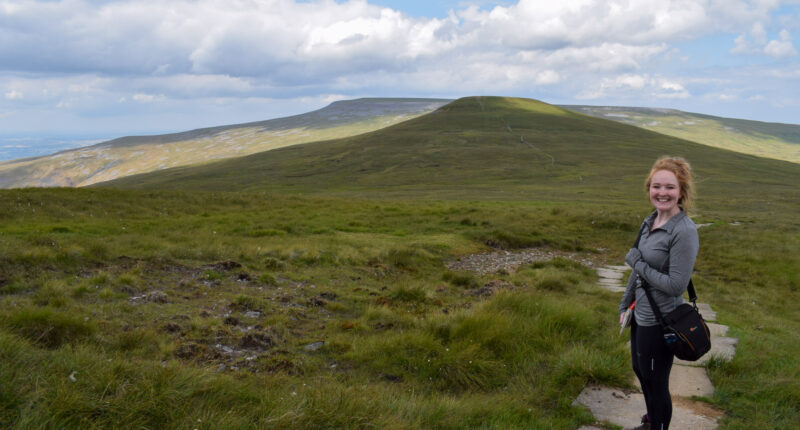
(685, 332)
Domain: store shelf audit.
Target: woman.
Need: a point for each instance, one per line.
(664, 260)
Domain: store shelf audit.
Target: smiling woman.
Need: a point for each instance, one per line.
(662, 261)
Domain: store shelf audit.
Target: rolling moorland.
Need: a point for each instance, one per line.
(142, 154)
(770, 140)
(307, 286)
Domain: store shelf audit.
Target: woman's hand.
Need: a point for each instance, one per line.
(621, 318)
(634, 256)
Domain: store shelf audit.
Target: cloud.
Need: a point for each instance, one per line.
(782, 48)
(757, 43)
(14, 95)
(753, 43)
(288, 43)
(148, 98)
(656, 87)
(132, 54)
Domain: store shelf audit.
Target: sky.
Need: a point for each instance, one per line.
(75, 72)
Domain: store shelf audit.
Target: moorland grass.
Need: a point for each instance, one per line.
(389, 306)
(280, 309)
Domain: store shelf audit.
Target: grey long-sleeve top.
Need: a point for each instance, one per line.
(668, 254)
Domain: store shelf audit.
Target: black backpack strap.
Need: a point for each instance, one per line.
(692, 293)
(653, 305)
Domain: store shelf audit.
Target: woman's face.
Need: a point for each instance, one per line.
(665, 191)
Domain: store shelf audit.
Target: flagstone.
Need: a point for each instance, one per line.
(723, 348)
(687, 381)
(625, 408)
(706, 311)
(717, 330)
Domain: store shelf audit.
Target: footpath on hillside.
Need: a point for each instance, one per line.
(686, 381)
(621, 406)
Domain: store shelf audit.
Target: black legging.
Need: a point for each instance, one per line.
(652, 362)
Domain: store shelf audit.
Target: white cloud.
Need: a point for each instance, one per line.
(293, 44)
(87, 54)
(14, 95)
(148, 98)
(757, 43)
(752, 43)
(546, 77)
(656, 87)
(781, 48)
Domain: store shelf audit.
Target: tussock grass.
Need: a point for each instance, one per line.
(49, 327)
(360, 324)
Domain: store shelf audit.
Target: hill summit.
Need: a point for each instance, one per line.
(484, 146)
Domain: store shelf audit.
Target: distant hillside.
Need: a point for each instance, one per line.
(478, 147)
(764, 139)
(140, 154)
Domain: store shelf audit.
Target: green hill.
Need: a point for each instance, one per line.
(763, 139)
(477, 147)
(141, 154)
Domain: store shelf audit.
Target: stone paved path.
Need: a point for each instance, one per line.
(687, 379)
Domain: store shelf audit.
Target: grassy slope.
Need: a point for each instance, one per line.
(481, 147)
(140, 154)
(763, 139)
(408, 344)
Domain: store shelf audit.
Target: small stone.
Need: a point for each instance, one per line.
(314, 346)
(157, 297)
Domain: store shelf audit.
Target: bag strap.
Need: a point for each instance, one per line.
(690, 288)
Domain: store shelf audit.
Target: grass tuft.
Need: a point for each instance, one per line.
(50, 328)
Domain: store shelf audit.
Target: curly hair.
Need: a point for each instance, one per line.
(683, 171)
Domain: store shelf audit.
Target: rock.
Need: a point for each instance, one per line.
(252, 314)
(314, 346)
(156, 296)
